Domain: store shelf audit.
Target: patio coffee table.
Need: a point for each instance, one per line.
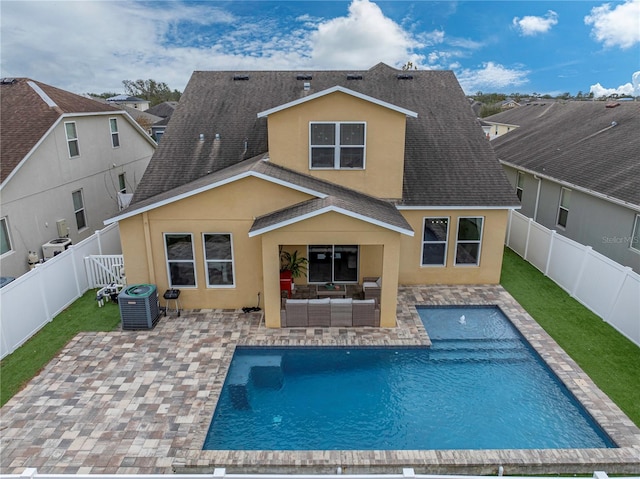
(338, 291)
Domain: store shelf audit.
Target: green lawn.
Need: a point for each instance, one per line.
(610, 359)
(26, 362)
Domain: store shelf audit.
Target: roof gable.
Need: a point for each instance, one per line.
(335, 89)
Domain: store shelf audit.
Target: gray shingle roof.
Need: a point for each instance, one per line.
(25, 117)
(448, 161)
(575, 142)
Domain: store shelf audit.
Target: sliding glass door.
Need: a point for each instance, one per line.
(333, 263)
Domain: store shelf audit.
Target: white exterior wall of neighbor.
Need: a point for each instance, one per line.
(592, 221)
(40, 191)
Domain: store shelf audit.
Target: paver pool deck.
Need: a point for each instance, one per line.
(128, 402)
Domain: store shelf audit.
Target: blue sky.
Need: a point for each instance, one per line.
(546, 47)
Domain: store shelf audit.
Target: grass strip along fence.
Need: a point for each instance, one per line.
(610, 359)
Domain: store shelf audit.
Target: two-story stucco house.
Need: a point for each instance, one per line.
(576, 168)
(377, 173)
(65, 161)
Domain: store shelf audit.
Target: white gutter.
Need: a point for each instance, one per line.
(458, 207)
(573, 186)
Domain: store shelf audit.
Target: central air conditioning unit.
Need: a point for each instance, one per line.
(139, 306)
(55, 247)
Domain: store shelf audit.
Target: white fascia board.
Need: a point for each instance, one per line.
(212, 186)
(328, 209)
(573, 186)
(499, 123)
(458, 207)
(341, 89)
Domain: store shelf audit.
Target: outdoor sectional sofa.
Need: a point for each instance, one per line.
(329, 312)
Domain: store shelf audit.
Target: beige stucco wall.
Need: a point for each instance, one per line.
(487, 272)
(384, 154)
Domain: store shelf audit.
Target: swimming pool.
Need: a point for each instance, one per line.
(479, 386)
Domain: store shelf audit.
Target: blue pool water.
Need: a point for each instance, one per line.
(480, 386)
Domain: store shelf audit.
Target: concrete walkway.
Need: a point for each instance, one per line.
(141, 401)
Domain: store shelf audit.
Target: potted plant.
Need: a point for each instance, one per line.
(292, 265)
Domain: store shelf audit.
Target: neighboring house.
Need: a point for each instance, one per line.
(493, 128)
(509, 103)
(145, 119)
(377, 173)
(130, 101)
(164, 110)
(65, 162)
(576, 168)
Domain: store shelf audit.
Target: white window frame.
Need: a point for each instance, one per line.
(337, 145)
(4, 224)
(478, 242)
(207, 261)
(519, 184)
(122, 185)
(82, 209)
(561, 207)
(71, 140)
(169, 261)
(115, 134)
(635, 235)
(425, 242)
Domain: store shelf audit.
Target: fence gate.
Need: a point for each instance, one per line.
(102, 270)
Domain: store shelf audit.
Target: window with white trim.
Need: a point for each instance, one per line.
(469, 241)
(181, 265)
(122, 183)
(434, 241)
(218, 258)
(72, 138)
(78, 209)
(635, 235)
(333, 263)
(563, 207)
(115, 136)
(5, 239)
(520, 184)
(337, 145)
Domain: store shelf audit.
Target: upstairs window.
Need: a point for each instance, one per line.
(5, 240)
(115, 136)
(339, 145)
(72, 139)
(122, 183)
(520, 185)
(563, 207)
(78, 209)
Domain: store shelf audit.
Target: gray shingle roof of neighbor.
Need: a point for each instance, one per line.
(327, 196)
(25, 116)
(164, 109)
(448, 161)
(587, 144)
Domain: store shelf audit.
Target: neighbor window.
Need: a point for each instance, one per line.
(115, 136)
(434, 241)
(333, 264)
(563, 208)
(218, 257)
(635, 235)
(122, 183)
(469, 240)
(5, 240)
(78, 209)
(520, 184)
(180, 259)
(337, 145)
(72, 138)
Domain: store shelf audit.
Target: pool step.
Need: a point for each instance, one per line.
(460, 350)
(264, 371)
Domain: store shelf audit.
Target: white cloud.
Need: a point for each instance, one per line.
(362, 38)
(531, 25)
(632, 88)
(619, 26)
(491, 77)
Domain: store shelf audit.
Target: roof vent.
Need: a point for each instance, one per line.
(240, 77)
(354, 76)
(614, 123)
(405, 76)
(612, 104)
(304, 77)
(217, 137)
(201, 136)
(8, 81)
(307, 86)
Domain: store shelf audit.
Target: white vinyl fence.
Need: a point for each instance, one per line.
(610, 290)
(35, 298)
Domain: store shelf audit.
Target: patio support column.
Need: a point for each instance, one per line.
(271, 275)
(389, 291)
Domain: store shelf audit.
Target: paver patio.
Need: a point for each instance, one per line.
(141, 401)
